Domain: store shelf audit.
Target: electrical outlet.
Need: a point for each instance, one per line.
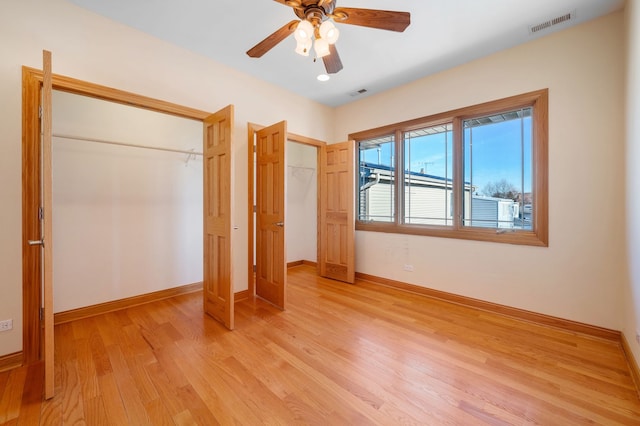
(6, 325)
(408, 268)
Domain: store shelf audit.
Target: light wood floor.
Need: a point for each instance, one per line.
(340, 355)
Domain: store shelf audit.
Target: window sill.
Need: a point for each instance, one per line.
(529, 238)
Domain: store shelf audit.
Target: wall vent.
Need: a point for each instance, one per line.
(358, 92)
(551, 22)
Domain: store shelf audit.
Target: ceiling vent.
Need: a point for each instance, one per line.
(358, 92)
(552, 22)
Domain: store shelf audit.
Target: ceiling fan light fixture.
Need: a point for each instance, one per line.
(303, 47)
(304, 31)
(329, 32)
(315, 27)
(321, 46)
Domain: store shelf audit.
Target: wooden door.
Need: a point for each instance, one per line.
(46, 233)
(218, 295)
(271, 268)
(336, 212)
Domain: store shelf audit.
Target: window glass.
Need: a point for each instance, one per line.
(428, 172)
(497, 170)
(376, 181)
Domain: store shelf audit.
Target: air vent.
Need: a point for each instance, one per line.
(551, 22)
(358, 92)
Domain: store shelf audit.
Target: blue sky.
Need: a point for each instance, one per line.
(496, 151)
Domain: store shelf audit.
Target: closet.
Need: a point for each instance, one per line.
(302, 202)
(127, 201)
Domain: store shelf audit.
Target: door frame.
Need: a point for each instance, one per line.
(252, 128)
(32, 80)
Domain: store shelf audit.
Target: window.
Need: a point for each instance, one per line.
(475, 173)
(497, 166)
(376, 179)
(428, 184)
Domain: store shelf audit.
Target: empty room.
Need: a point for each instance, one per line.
(336, 212)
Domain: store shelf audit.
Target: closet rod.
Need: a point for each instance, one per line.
(158, 148)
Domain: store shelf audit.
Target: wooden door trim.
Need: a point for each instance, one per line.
(85, 88)
(252, 128)
(32, 80)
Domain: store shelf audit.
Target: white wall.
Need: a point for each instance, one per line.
(126, 221)
(632, 290)
(91, 48)
(581, 274)
(301, 210)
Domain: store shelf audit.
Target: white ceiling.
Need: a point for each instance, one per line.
(442, 34)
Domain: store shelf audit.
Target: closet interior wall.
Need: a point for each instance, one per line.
(127, 220)
(302, 202)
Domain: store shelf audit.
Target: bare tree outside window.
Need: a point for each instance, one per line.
(501, 189)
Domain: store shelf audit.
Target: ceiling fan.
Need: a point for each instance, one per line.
(316, 28)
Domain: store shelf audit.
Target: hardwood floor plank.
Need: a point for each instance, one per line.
(95, 412)
(4, 377)
(112, 400)
(99, 355)
(231, 396)
(126, 386)
(353, 408)
(64, 348)
(71, 393)
(52, 409)
(168, 392)
(198, 410)
(182, 403)
(31, 407)
(158, 414)
(86, 369)
(12, 395)
(217, 403)
(340, 354)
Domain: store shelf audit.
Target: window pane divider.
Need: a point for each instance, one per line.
(458, 174)
(399, 183)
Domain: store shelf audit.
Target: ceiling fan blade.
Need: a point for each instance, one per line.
(332, 62)
(270, 42)
(380, 19)
(296, 4)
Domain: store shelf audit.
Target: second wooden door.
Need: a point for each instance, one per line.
(336, 227)
(271, 268)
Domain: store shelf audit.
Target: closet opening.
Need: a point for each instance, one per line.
(301, 225)
(127, 196)
(32, 178)
(301, 188)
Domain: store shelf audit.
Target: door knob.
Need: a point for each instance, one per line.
(35, 242)
(281, 224)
